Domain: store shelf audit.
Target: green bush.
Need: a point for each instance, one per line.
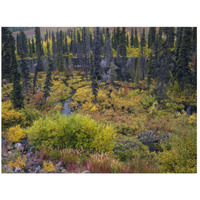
(75, 131)
(30, 116)
(182, 156)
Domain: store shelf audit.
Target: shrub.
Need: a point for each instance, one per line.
(18, 163)
(10, 117)
(48, 167)
(30, 116)
(182, 157)
(15, 134)
(75, 131)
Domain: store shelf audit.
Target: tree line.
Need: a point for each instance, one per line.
(172, 57)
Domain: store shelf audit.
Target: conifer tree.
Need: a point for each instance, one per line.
(127, 40)
(59, 54)
(6, 54)
(97, 52)
(108, 54)
(151, 36)
(33, 46)
(132, 38)
(66, 46)
(79, 54)
(38, 49)
(29, 48)
(22, 44)
(136, 39)
(53, 47)
(16, 94)
(93, 77)
(122, 44)
(48, 81)
(183, 72)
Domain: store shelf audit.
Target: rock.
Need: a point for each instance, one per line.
(86, 171)
(7, 169)
(18, 145)
(9, 148)
(152, 139)
(64, 171)
(37, 169)
(5, 155)
(59, 164)
(18, 170)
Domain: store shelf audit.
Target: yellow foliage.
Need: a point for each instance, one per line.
(48, 167)
(10, 116)
(15, 134)
(192, 119)
(18, 163)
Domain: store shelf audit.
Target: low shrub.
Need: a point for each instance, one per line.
(10, 117)
(19, 162)
(75, 131)
(15, 134)
(48, 167)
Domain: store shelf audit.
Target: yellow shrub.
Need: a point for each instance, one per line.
(48, 167)
(192, 119)
(15, 134)
(18, 163)
(10, 117)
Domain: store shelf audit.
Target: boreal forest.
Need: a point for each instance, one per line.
(99, 99)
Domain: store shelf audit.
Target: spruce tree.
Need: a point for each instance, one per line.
(16, 94)
(48, 81)
(6, 54)
(151, 36)
(22, 44)
(33, 46)
(132, 38)
(183, 57)
(97, 52)
(136, 39)
(108, 54)
(29, 48)
(38, 49)
(93, 77)
(122, 44)
(53, 47)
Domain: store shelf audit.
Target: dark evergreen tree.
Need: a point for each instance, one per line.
(66, 46)
(22, 46)
(183, 72)
(132, 38)
(16, 94)
(17, 40)
(79, 54)
(97, 52)
(29, 48)
(54, 47)
(122, 44)
(48, 81)
(59, 54)
(194, 40)
(127, 40)
(151, 36)
(93, 77)
(38, 49)
(88, 43)
(33, 46)
(136, 39)
(143, 39)
(46, 36)
(6, 54)
(74, 46)
(108, 54)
